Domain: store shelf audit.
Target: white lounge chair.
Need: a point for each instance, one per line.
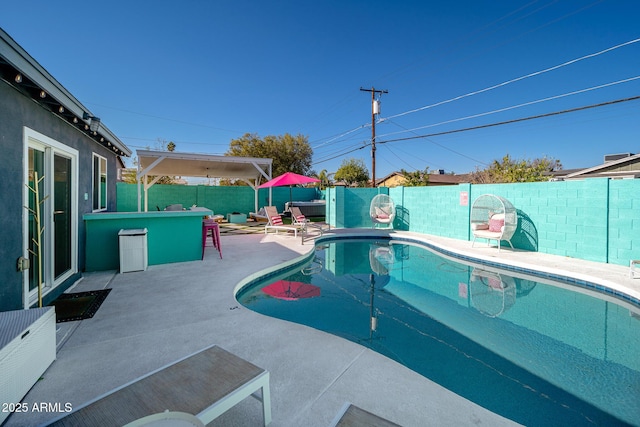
(167, 418)
(275, 222)
(260, 216)
(382, 211)
(351, 415)
(298, 218)
(207, 384)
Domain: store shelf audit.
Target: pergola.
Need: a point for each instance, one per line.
(157, 164)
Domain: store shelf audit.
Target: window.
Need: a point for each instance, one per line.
(99, 183)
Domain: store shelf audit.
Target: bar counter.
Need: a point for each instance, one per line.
(173, 236)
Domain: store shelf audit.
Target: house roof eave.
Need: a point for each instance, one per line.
(23, 63)
(602, 166)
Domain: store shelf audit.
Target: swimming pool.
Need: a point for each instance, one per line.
(535, 351)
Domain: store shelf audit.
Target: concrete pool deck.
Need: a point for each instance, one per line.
(155, 317)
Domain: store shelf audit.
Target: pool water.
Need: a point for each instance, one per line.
(534, 351)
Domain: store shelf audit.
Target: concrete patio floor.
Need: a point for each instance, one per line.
(155, 317)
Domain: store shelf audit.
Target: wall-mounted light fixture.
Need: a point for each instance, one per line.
(94, 125)
(18, 78)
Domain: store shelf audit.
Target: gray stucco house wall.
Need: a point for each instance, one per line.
(58, 117)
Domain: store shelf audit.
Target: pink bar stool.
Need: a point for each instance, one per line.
(211, 225)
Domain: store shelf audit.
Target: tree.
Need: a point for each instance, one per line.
(416, 178)
(289, 153)
(516, 170)
(129, 175)
(323, 176)
(166, 146)
(353, 171)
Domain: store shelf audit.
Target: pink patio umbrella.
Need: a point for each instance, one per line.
(291, 291)
(290, 179)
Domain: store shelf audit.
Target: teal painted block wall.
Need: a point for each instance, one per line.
(332, 216)
(349, 207)
(220, 199)
(171, 237)
(624, 221)
(566, 218)
(596, 219)
(440, 214)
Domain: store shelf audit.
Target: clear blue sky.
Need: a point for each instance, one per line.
(201, 73)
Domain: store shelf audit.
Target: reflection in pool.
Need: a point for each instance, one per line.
(537, 353)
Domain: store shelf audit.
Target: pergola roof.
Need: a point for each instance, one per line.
(168, 163)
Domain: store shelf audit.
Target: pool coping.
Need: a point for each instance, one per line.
(589, 282)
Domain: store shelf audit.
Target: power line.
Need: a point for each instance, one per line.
(573, 61)
(337, 138)
(341, 135)
(506, 122)
(446, 148)
(364, 145)
(165, 118)
(501, 110)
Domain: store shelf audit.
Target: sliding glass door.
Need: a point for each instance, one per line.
(62, 223)
(51, 225)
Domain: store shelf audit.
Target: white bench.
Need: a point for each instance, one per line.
(27, 348)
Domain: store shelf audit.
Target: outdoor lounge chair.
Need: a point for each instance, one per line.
(275, 222)
(298, 218)
(260, 216)
(493, 218)
(382, 211)
(351, 415)
(207, 384)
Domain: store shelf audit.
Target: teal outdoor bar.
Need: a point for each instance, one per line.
(172, 236)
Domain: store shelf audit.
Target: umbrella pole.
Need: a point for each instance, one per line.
(290, 195)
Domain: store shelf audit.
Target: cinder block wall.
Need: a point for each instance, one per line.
(220, 199)
(624, 220)
(432, 210)
(595, 219)
(562, 218)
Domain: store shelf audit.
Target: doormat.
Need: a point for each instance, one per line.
(79, 305)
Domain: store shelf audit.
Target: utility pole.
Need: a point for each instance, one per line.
(375, 110)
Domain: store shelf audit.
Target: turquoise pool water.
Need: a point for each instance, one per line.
(535, 351)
